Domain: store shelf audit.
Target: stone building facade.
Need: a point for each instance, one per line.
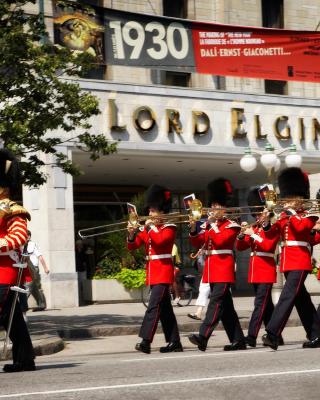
(185, 162)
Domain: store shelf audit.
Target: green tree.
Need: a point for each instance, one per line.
(38, 98)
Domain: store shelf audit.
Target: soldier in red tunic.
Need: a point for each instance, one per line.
(262, 266)
(294, 226)
(13, 236)
(218, 236)
(158, 238)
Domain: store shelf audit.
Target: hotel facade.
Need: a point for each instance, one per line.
(178, 129)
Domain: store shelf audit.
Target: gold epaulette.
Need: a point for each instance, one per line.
(9, 208)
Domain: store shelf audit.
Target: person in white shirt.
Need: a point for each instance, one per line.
(35, 286)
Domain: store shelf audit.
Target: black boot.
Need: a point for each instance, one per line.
(312, 344)
(270, 341)
(174, 346)
(280, 341)
(199, 341)
(19, 367)
(251, 341)
(238, 345)
(144, 346)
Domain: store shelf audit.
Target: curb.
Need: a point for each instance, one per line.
(42, 347)
(48, 346)
(185, 327)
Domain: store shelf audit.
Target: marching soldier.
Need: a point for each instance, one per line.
(158, 238)
(218, 236)
(262, 266)
(294, 226)
(13, 236)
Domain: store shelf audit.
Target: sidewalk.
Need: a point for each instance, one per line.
(49, 328)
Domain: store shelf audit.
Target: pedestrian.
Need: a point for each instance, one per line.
(262, 273)
(35, 289)
(204, 289)
(176, 285)
(218, 236)
(13, 232)
(81, 268)
(158, 237)
(294, 226)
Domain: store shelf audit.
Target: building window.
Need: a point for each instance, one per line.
(272, 14)
(276, 87)
(272, 17)
(172, 78)
(175, 8)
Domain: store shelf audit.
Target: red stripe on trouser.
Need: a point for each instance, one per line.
(154, 326)
(215, 313)
(262, 312)
(286, 319)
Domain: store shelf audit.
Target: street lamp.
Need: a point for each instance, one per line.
(269, 159)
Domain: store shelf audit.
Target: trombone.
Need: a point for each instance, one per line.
(196, 212)
(136, 221)
(133, 219)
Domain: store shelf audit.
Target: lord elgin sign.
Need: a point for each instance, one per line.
(144, 120)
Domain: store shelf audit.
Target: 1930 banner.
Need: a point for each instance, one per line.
(140, 40)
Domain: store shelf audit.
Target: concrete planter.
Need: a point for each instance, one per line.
(312, 284)
(109, 291)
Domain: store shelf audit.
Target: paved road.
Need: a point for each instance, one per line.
(91, 370)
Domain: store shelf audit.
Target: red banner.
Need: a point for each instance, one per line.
(151, 41)
(249, 52)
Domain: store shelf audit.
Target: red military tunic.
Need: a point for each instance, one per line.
(262, 265)
(218, 240)
(158, 242)
(315, 239)
(296, 240)
(13, 236)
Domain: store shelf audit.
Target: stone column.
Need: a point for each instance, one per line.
(52, 228)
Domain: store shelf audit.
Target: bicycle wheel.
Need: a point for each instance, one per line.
(185, 297)
(145, 295)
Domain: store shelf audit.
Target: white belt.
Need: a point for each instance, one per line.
(158, 256)
(223, 251)
(296, 243)
(261, 254)
(6, 253)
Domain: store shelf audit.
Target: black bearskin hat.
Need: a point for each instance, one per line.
(9, 170)
(158, 197)
(220, 191)
(294, 182)
(254, 200)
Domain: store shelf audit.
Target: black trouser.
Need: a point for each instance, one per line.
(160, 307)
(22, 349)
(294, 293)
(221, 307)
(263, 308)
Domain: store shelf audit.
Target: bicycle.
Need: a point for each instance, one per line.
(187, 288)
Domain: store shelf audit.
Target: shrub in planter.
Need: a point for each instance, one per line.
(132, 278)
(315, 267)
(107, 269)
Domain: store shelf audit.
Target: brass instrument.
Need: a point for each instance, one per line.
(279, 205)
(196, 212)
(134, 220)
